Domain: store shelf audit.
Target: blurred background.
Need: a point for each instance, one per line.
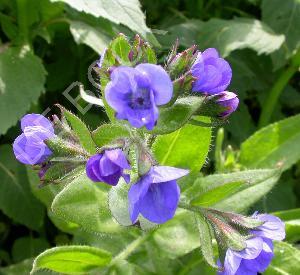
(47, 45)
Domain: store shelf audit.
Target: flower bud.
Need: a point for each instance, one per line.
(229, 101)
(182, 62)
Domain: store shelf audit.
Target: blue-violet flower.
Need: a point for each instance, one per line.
(108, 167)
(29, 147)
(213, 73)
(135, 93)
(156, 195)
(259, 251)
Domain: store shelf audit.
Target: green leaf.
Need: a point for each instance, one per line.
(286, 260)
(120, 48)
(250, 194)
(291, 219)
(106, 133)
(126, 12)
(118, 203)
(284, 18)
(239, 33)
(72, 259)
(186, 147)
(205, 240)
(28, 247)
(80, 130)
(18, 65)
(207, 191)
(178, 236)
(16, 199)
(89, 35)
(172, 118)
(84, 202)
(273, 146)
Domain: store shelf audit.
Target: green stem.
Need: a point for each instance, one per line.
(219, 158)
(22, 6)
(130, 248)
(276, 90)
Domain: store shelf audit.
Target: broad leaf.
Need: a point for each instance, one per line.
(126, 12)
(178, 236)
(16, 199)
(106, 133)
(273, 146)
(72, 259)
(205, 240)
(286, 260)
(18, 65)
(284, 18)
(250, 194)
(213, 189)
(174, 117)
(84, 203)
(185, 148)
(239, 33)
(89, 35)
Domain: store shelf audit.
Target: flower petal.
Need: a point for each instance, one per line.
(107, 167)
(161, 82)
(91, 163)
(36, 120)
(160, 202)
(117, 156)
(166, 173)
(253, 249)
(273, 228)
(231, 263)
(136, 194)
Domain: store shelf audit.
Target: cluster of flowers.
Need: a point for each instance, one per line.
(135, 93)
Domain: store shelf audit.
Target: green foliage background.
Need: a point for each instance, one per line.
(46, 45)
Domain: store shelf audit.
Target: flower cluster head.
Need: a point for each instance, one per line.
(135, 93)
(259, 251)
(29, 147)
(156, 195)
(108, 167)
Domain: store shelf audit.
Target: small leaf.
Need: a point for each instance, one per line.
(174, 117)
(186, 147)
(106, 133)
(273, 146)
(72, 259)
(81, 130)
(205, 240)
(120, 48)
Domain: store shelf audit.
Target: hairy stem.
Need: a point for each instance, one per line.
(279, 85)
(22, 7)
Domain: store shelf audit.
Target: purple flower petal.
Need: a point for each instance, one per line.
(118, 157)
(166, 173)
(243, 270)
(36, 120)
(262, 261)
(273, 228)
(231, 263)
(91, 163)
(136, 194)
(107, 167)
(253, 249)
(161, 83)
(160, 202)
